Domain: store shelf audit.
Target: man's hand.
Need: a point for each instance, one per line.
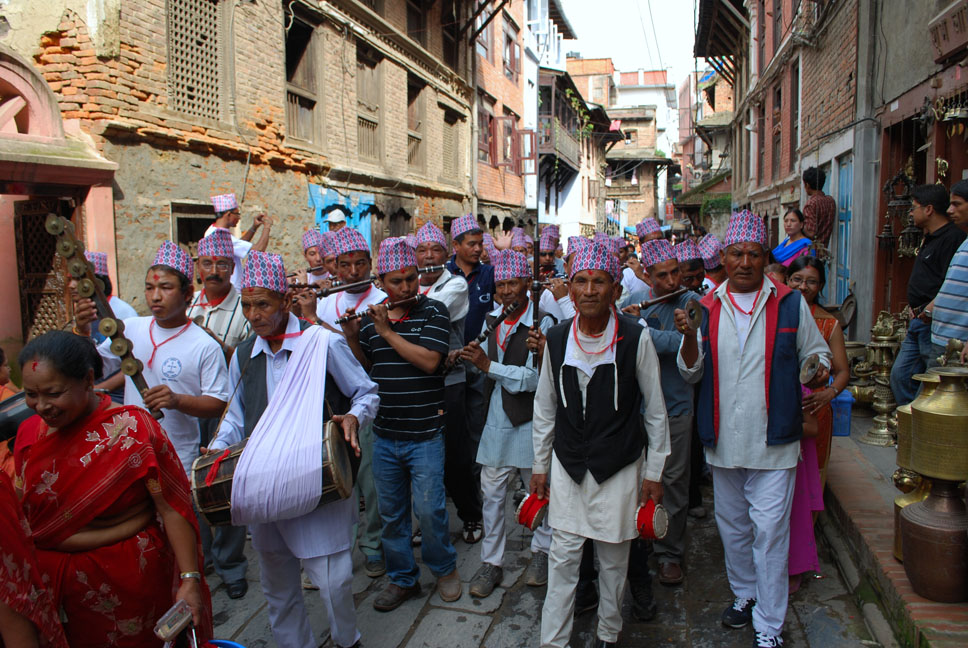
(325, 284)
(503, 241)
(350, 426)
(636, 267)
(633, 309)
(682, 322)
(650, 491)
(161, 397)
(474, 354)
(261, 219)
(536, 341)
(539, 485)
(85, 312)
(381, 319)
(558, 288)
(351, 329)
(451, 358)
(306, 302)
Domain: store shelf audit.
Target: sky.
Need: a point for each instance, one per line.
(622, 30)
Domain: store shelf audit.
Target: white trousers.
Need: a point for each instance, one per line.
(494, 490)
(753, 516)
(557, 615)
(282, 586)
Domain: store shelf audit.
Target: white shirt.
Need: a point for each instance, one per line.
(741, 371)
(631, 282)
(548, 305)
(225, 319)
(709, 284)
(241, 250)
(335, 306)
(190, 363)
(122, 310)
(451, 290)
(328, 529)
(603, 511)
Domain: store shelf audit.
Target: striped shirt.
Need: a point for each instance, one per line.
(411, 401)
(949, 319)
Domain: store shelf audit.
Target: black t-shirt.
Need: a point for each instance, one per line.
(411, 401)
(932, 263)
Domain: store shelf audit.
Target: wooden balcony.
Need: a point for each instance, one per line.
(554, 139)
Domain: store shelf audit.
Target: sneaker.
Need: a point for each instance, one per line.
(449, 587)
(473, 532)
(537, 573)
(739, 614)
(643, 605)
(697, 512)
(485, 580)
(586, 597)
(764, 640)
(416, 539)
(375, 566)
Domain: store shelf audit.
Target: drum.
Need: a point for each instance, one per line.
(13, 412)
(532, 511)
(652, 521)
(212, 477)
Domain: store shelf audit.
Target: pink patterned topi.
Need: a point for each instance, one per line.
(463, 225)
(217, 244)
(430, 233)
(99, 260)
(176, 258)
(745, 227)
(264, 270)
(224, 203)
(646, 227)
(349, 240)
(656, 251)
(709, 247)
(509, 264)
(687, 251)
(595, 257)
(394, 254)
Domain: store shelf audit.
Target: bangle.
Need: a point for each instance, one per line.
(190, 574)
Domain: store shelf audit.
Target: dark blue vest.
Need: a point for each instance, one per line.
(782, 391)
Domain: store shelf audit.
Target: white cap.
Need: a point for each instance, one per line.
(336, 216)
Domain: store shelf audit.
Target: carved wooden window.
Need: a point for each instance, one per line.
(368, 99)
(451, 146)
(301, 85)
(194, 57)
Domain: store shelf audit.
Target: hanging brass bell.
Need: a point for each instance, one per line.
(131, 366)
(121, 347)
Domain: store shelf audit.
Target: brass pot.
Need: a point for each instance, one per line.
(934, 544)
(929, 382)
(939, 440)
(902, 501)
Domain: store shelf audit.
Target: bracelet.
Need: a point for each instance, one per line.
(190, 574)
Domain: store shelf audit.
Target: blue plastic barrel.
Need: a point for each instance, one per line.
(225, 644)
(842, 406)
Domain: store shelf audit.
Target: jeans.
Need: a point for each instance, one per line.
(403, 469)
(911, 359)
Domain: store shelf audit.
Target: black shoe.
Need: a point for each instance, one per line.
(237, 589)
(605, 644)
(394, 596)
(643, 605)
(586, 598)
(739, 614)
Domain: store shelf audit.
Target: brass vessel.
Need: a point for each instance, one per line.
(914, 495)
(939, 444)
(905, 421)
(935, 546)
(886, 336)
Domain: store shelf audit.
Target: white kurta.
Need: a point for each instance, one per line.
(741, 370)
(603, 511)
(331, 308)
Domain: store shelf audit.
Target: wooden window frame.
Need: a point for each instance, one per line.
(486, 143)
(450, 33)
(451, 128)
(777, 139)
(484, 43)
(421, 32)
(415, 131)
(296, 92)
(511, 52)
(794, 113)
(369, 57)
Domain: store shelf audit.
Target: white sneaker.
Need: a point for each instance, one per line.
(764, 640)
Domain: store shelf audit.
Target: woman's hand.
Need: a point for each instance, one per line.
(816, 401)
(190, 591)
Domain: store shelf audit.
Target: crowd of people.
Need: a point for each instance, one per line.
(445, 373)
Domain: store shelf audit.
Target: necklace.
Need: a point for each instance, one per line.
(362, 298)
(210, 302)
(736, 306)
(574, 333)
(155, 347)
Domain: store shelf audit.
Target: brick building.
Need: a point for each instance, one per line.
(299, 108)
(505, 150)
(633, 164)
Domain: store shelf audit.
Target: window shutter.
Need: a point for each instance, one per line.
(517, 60)
(495, 135)
(526, 150)
(500, 160)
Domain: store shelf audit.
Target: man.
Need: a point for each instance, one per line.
(692, 271)
(451, 291)
(511, 377)
(120, 308)
(183, 366)
(664, 270)
(227, 216)
(519, 242)
(648, 229)
(555, 235)
(353, 265)
(598, 374)
(403, 348)
(633, 277)
(929, 207)
(548, 300)
(320, 542)
(949, 310)
(219, 307)
(820, 210)
(319, 254)
(467, 236)
(710, 248)
(755, 334)
(336, 220)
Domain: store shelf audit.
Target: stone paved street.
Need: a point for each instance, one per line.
(822, 614)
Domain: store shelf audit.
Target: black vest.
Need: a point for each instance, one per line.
(518, 407)
(254, 395)
(608, 439)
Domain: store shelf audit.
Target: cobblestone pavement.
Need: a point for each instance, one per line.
(821, 614)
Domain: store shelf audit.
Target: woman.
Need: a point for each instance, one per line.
(27, 614)
(107, 501)
(795, 244)
(807, 275)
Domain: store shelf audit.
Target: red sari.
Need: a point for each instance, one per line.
(100, 467)
(22, 586)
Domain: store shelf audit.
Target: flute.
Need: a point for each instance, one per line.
(659, 300)
(431, 269)
(487, 331)
(349, 317)
(337, 286)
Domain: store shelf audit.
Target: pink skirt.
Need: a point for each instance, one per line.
(807, 498)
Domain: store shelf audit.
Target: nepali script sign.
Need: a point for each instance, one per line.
(949, 31)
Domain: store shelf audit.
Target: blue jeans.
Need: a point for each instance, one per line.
(402, 469)
(912, 358)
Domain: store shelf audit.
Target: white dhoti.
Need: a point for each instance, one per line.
(494, 489)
